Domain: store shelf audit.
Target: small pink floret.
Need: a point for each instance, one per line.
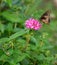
(33, 24)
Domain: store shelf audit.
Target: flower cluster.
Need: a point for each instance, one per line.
(33, 24)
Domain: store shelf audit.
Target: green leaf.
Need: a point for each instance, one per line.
(17, 56)
(9, 2)
(6, 63)
(21, 58)
(25, 62)
(2, 40)
(33, 39)
(9, 27)
(47, 47)
(17, 34)
(4, 57)
(18, 64)
(41, 57)
(11, 16)
(1, 52)
(49, 58)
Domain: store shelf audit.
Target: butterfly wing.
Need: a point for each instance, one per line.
(45, 18)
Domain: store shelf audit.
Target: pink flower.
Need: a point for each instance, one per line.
(33, 24)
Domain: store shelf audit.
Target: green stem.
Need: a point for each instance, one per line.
(15, 25)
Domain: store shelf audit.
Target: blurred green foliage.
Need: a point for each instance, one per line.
(17, 45)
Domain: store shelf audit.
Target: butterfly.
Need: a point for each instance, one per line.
(45, 18)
